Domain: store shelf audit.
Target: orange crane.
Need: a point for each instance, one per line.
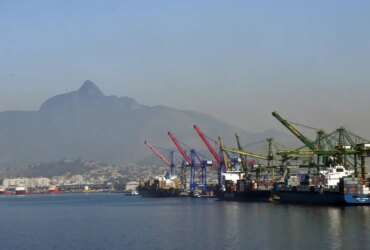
(179, 148)
(157, 153)
(203, 137)
(190, 161)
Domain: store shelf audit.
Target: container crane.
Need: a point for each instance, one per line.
(204, 164)
(339, 144)
(189, 160)
(219, 161)
(269, 157)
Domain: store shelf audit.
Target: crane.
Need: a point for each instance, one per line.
(269, 157)
(216, 156)
(197, 160)
(203, 137)
(295, 131)
(189, 160)
(225, 157)
(179, 148)
(245, 153)
(340, 144)
(242, 157)
(157, 153)
(164, 159)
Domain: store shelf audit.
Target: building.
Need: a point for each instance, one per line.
(131, 186)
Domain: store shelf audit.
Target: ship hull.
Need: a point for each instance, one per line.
(247, 196)
(321, 198)
(160, 193)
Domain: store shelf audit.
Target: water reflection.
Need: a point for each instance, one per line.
(117, 222)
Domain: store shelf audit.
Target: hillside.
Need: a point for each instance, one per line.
(87, 124)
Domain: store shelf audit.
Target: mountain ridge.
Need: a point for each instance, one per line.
(90, 125)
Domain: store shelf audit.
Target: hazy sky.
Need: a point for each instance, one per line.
(237, 60)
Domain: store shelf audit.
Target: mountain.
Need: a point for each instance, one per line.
(90, 125)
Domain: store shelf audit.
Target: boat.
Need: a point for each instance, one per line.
(144, 192)
(245, 191)
(317, 197)
(160, 186)
(54, 190)
(333, 187)
(238, 188)
(132, 193)
(20, 191)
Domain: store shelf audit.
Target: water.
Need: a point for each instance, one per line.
(114, 221)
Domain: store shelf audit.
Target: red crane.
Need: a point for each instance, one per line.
(208, 145)
(179, 148)
(157, 153)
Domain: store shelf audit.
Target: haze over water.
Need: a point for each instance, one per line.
(114, 221)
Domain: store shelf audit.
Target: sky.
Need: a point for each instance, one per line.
(235, 60)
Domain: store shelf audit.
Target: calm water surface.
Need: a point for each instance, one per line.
(114, 221)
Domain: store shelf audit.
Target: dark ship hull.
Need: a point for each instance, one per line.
(321, 198)
(246, 196)
(157, 192)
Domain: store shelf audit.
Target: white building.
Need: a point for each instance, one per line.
(41, 182)
(132, 186)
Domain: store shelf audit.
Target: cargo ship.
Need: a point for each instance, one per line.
(160, 186)
(237, 188)
(335, 187)
(245, 191)
(246, 196)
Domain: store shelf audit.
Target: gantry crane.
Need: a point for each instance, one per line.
(186, 159)
(269, 157)
(222, 162)
(198, 160)
(192, 161)
(339, 144)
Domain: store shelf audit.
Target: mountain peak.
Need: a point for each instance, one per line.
(90, 89)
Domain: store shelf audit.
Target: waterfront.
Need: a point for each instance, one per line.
(114, 221)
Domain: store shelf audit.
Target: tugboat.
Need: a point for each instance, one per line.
(54, 190)
(20, 191)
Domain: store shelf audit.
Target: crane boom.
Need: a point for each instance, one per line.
(179, 148)
(243, 157)
(224, 154)
(294, 131)
(245, 153)
(208, 145)
(157, 153)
